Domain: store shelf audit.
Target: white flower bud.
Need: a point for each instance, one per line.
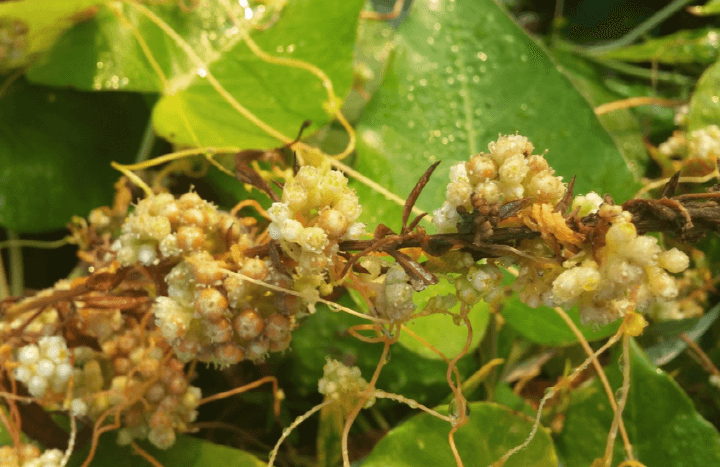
(490, 191)
(513, 170)
(587, 204)
(481, 168)
(279, 212)
(313, 239)
(674, 260)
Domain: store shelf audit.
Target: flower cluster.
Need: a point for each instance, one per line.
(224, 320)
(169, 402)
(163, 227)
(343, 383)
(697, 151)
(30, 456)
(45, 366)
(317, 211)
(629, 272)
(509, 172)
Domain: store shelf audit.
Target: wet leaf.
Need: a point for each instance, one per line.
(186, 452)
(439, 329)
(280, 95)
(627, 127)
(50, 141)
(493, 430)
(686, 46)
(662, 423)
(105, 52)
(705, 102)
(462, 72)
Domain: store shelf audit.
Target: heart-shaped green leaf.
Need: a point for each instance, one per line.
(492, 430)
(319, 32)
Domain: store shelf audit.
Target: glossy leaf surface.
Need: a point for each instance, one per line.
(463, 72)
(492, 430)
(319, 32)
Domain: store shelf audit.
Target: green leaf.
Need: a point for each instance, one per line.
(324, 334)
(186, 452)
(627, 127)
(686, 46)
(712, 7)
(669, 344)
(439, 329)
(705, 105)
(55, 152)
(662, 423)
(463, 72)
(493, 430)
(45, 21)
(543, 325)
(104, 53)
(319, 32)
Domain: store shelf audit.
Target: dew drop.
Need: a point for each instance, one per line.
(430, 40)
(280, 49)
(423, 82)
(455, 48)
(202, 72)
(444, 141)
(476, 79)
(100, 65)
(291, 48)
(411, 124)
(450, 80)
(482, 56)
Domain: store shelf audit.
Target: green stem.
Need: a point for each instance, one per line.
(17, 287)
(641, 29)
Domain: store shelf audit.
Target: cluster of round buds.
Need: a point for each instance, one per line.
(698, 150)
(317, 211)
(343, 383)
(509, 172)
(629, 272)
(692, 294)
(163, 227)
(30, 456)
(213, 318)
(45, 366)
(156, 398)
(395, 301)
